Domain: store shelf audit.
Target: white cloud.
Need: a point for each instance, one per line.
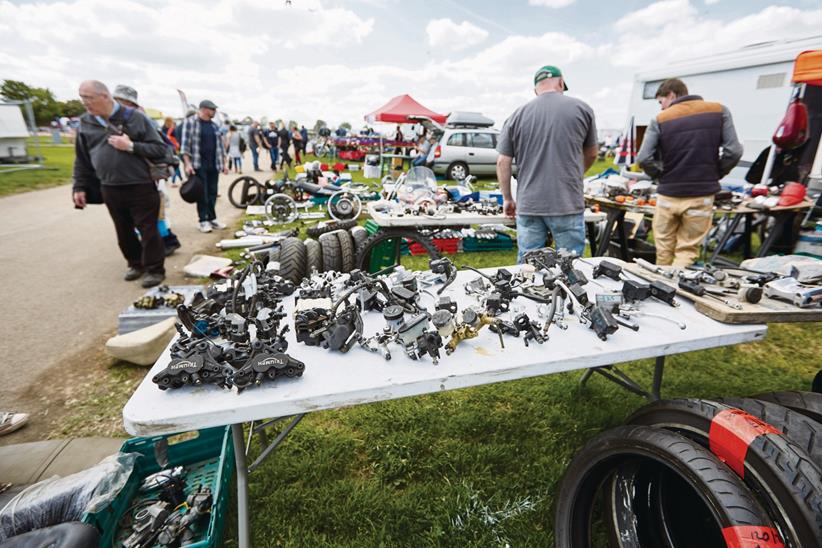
(711, 2)
(446, 33)
(690, 36)
(551, 3)
(656, 15)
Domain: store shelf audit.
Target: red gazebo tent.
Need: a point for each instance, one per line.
(398, 110)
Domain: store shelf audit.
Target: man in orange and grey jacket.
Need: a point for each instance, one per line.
(688, 147)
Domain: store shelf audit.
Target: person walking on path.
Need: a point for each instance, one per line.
(285, 142)
(273, 138)
(554, 140)
(256, 143)
(204, 155)
(233, 142)
(689, 146)
(112, 148)
(297, 139)
(169, 131)
(304, 135)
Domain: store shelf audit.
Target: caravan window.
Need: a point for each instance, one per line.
(649, 91)
(770, 80)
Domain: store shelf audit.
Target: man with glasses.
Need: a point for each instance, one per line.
(111, 150)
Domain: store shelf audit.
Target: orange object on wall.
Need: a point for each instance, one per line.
(807, 69)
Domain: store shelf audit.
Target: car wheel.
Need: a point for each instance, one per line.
(458, 171)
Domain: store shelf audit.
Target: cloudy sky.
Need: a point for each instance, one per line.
(338, 60)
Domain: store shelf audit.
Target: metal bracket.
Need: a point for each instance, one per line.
(616, 376)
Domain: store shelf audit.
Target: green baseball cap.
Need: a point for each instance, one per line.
(548, 71)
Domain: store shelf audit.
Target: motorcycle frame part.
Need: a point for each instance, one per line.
(281, 209)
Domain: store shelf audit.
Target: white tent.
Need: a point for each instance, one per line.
(13, 133)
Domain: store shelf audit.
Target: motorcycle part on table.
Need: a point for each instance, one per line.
(217, 347)
(162, 297)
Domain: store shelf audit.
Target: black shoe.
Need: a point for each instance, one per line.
(132, 274)
(153, 279)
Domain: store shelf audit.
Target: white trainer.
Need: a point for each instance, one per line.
(205, 226)
(216, 224)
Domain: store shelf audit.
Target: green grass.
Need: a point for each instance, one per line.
(57, 161)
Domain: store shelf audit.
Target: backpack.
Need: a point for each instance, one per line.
(243, 145)
(157, 169)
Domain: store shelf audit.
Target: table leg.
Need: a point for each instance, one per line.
(748, 231)
(602, 248)
(242, 486)
(618, 377)
(590, 228)
(725, 236)
(625, 253)
(780, 220)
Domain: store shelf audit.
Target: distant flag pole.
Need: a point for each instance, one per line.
(183, 101)
(626, 155)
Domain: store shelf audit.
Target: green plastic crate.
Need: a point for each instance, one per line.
(208, 459)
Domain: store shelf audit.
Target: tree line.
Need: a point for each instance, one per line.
(45, 106)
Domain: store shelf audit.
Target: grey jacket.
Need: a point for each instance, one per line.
(96, 159)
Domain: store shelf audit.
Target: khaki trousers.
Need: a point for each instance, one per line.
(680, 225)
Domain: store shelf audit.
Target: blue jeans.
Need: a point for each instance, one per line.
(205, 205)
(274, 152)
(568, 232)
(419, 160)
(255, 158)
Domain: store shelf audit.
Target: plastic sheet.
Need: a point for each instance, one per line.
(58, 500)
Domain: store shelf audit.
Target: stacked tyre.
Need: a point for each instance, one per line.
(693, 472)
(324, 250)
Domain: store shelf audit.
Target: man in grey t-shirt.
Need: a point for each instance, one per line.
(554, 141)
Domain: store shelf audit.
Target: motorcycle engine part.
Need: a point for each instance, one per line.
(575, 277)
(267, 365)
(750, 294)
(343, 331)
(234, 328)
(404, 297)
(147, 521)
(267, 323)
(775, 469)
(579, 294)
(664, 293)
(445, 303)
(369, 299)
(412, 328)
(545, 258)
(503, 327)
(496, 305)
(788, 289)
(446, 268)
(634, 290)
(531, 329)
(477, 286)
(198, 366)
(393, 315)
(695, 289)
(159, 479)
(470, 317)
(602, 322)
(309, 324)
(148, 302)
(607, 269)
(429, 343)
(443, 320)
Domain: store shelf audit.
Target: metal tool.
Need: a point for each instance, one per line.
(654, 268)
(695, 289)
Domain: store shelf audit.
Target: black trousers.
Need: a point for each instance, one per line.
(206, 205)
(137, 206)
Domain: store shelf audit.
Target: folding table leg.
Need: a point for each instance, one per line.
(620, 378)
(242, 486)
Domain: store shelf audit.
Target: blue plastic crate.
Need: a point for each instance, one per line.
(208, 458)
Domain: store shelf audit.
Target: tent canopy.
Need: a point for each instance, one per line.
(398, 110)
(808, 68)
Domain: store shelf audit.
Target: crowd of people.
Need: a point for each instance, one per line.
(128, 162)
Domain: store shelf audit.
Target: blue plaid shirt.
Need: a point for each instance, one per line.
(191, 142)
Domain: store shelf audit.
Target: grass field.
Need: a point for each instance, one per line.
(57, 162)
(472, 467)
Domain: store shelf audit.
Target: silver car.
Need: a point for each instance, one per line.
(466, 151)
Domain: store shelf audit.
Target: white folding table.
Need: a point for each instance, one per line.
(334, 380)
